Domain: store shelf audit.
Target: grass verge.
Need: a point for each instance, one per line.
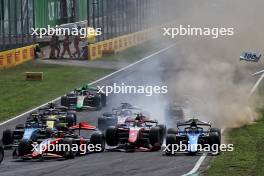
(134, 53)
(18, 95)
(248, 155)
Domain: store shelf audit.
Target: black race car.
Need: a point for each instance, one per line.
(84, 98)
(66, 144)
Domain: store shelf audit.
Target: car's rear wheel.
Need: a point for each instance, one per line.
(215, 139)
(68, 153)
(98, 139)
(20, 126)
(154, 136)
(8, 138)
(162, 131)
(172, 131)
(64, 101)
(71, 120)
(103, 99)
(1, 153)
(111, 136)
(25, 147)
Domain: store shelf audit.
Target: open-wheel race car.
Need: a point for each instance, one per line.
(86, 97)
(62, 144)
(32, 130)
(117, 116)
(136, 134)
(195, 135)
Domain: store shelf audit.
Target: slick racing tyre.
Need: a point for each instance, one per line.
(20, 126)
(172, 131)
(111, 136)
(64, 101)
(103, 99)
(7, 138)
(154, 136)
(25, 147)
(215, 139)
(170, 141)
(162, 131)
(68, 153)
(1, 153)
(98, 141)
(71, 120)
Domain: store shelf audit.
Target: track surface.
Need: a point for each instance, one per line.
(149, 72)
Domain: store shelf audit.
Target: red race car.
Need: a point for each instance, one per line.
(66, 143)
(142, 135)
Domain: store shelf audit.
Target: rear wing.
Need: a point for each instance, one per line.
(83, 126)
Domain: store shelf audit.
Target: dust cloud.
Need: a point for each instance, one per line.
(208, 71)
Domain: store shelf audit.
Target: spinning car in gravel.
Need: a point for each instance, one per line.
(65, 144)
(136, 134)
(192, 133)
(118, 116)
(86, 97)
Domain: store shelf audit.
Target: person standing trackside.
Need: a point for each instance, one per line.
(57, 46)
(76, 42)
(52, 47)
(66, 46)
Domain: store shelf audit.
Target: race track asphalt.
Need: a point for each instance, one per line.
(149, 72)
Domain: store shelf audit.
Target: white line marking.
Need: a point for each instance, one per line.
(199, 162)
(107, 76)
(254, 88)
(197, 165)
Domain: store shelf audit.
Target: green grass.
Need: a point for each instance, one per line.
(134, 53)
(18, 95)
(248, 155)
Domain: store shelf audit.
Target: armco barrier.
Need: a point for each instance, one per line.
(16, 56)
(118, 44)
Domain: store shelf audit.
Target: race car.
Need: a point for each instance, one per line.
(192, 134)
(54, 112)
(117, 116)
(250, 56)
(84, 98)
(142, 135)
(65, 144)
(1, 153)
(33, 130)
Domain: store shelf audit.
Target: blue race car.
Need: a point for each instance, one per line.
(32, 130)
(192, 136)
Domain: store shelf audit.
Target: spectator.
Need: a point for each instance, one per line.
(76, 42)
(66, 46)
(52, 47)
(57, 46)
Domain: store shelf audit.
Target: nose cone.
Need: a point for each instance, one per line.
(133, 134)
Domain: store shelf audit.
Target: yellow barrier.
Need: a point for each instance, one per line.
(16, 56)
(118, 44)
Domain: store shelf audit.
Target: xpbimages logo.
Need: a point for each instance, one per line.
(188, 30)
(208, 148)
(147, 90)
(62, 31)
